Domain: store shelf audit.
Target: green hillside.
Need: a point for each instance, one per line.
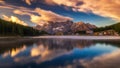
(115, 27)
(13, 29)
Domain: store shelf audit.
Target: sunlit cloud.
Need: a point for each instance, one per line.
(14, 19)
(51, 16)
(19, 12)
(105, 8)
(40, 15)
(49, 2)
(28, 2)
(43, 16)
(2, 2)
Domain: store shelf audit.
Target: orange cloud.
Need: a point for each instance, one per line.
(49, 2)
(2, 1)
(37, 16)
(51, 16)
(14, 19)
(105, 8)
(19, 12)
(43, 16)
(28, 2)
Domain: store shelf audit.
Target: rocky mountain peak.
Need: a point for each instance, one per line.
(65, 27)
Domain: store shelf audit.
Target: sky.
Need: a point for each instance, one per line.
(38, 12)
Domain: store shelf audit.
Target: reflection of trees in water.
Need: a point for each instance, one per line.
(10, 44)
(109, 42)
(64, 43)
(67, 44)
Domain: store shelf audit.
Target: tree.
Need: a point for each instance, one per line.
(8, 28)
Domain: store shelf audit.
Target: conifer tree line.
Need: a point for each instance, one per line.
(8, 28)
(115, 27)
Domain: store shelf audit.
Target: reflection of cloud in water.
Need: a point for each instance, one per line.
(39, 51)
(40, 54)
(14, 52)
(52, 55)
(111, 60)
(6, 60)
(77, 53)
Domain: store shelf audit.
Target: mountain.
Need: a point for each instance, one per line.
(65, 27)
(54, 27)
(81, 26)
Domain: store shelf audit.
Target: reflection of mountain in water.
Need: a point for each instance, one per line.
(69, 44)
(52, 53)
(64, 43)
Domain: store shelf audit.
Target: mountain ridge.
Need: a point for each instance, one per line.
(65, 27)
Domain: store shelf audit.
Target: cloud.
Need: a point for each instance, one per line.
(105, 8)
(43, 16)
(2, 1)
(28, 2)
(37, 16)
(22, 12)
(49, 2)
(14, 19)
(51, 16)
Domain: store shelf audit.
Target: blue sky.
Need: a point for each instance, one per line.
(32, 12)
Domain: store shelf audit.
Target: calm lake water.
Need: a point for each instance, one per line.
(59, 53)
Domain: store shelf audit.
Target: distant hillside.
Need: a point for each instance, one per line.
(115, 27)
(13, 29)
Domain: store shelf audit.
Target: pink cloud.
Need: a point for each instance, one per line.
(43, 16)
(105, 8)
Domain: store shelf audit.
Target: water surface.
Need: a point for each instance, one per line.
(59, 53)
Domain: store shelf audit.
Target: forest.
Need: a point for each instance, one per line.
(115, 27)
(8, 28)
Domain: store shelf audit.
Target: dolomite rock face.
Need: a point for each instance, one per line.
(65, 27)
(81, 26)
(54, 27)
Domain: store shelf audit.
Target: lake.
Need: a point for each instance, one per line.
(59, 53)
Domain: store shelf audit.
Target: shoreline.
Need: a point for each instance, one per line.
(82, 37)
(68, 37)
